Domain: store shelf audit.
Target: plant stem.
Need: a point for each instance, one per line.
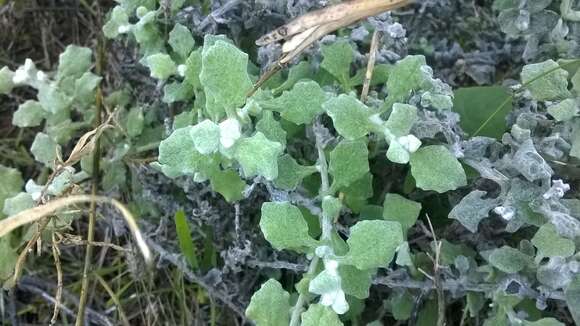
(100, 57)
(325, 223)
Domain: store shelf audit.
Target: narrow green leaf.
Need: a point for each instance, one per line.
(185, 241)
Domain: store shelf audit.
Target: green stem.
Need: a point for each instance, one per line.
(326, 224)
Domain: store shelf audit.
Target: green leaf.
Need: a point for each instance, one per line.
(85, 88)
(354, 281)
(229, 184)
(483, 110)
(301, 70)
(546, 81)
(406, 76)
(401, 120)
(319, 315)
(331, 207)
(551, 244)
(44, 149)
(185, 240)
(135, 122)
(509, 260)
(400, 209)
(177, 92)
(29, 114)
(271, 128)
(404, 256)
(373, 243)
(6, 84)
(572, 294)
(565, 110)
(356, 195)
(7, 259)
(575, 82)
(349, 115)
(11, 185)
(301, 104)
(269, 305)
(401, 303)
(53, 99)
(14, 205)
(74, 62)
(224, 76)
(117, 24)
(543, 322)
(178, 156)
(258, 156)
(161, 66)
(348, 162)
(181, 41)
(206, 137)
(575, 150)
(193, 66)
(290, 173)
(284, 226)
(338, 57)
(472, 209)
(435, 168)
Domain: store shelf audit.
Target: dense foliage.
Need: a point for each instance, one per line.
(446, 196)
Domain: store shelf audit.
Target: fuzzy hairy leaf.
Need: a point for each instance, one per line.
(206, 137)
(270, 305)
(472, 209)
(348, 162)
(284, 226)
(401, 119)
(161, 65)
(319, 315)
(29, 114)
(258, 156)
(572, 294)
(405, 77)
(551, 244)
(373, 243)
(509, 260)
(6, 84)
(300, 104)
(271, 128)
(338, 57)
(349, 115)
(224, 76)
(355, 282)
(44, 149)
(546, 81)
(178, 156)
(435, 168)
(290, 173)
(10, 185)
(229, 184)
(181, 40)
(400, 209)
